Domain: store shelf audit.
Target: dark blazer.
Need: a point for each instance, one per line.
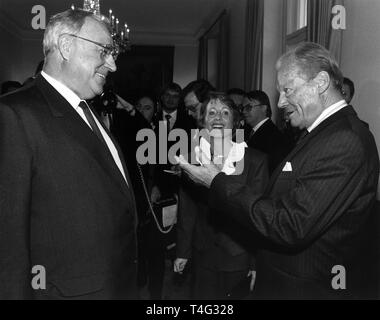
(63, 203)
(311, 217)
(223, 246)
(168, 184)
(269, 139)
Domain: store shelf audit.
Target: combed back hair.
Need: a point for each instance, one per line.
(312, 58)
(223, 99)
(262, 98)
(69, 21)
(171, 87)
(201, 89)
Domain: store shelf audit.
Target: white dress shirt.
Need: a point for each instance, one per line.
(328, 112)
(73, 99)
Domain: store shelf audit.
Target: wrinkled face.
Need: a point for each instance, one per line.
(299, 97)
(192, 105)
(253, 111)
(146, 107)
(219, 117)
(170, 100)
(86, 68)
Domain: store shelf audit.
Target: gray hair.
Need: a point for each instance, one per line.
(69, 21)
(312, 58)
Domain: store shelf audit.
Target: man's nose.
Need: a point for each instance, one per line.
(110, 63)
(282, 101)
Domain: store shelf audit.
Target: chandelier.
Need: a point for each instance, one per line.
(120, 34)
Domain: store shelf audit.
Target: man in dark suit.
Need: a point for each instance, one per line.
(66, 202)
(263, 134)
(311, 222)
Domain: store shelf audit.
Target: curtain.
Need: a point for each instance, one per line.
(319, 26)
(222, 73)
(254, 45)
(202, 59)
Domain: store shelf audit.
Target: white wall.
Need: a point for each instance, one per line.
(185, 64)
(361, 60)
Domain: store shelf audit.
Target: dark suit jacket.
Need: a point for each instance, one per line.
(168, 184)
(269, 139)
(63, 203)
(312, 217)
(223, 246)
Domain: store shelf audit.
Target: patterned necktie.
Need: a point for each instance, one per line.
(86, 110)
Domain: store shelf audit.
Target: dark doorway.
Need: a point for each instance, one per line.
(143, 70)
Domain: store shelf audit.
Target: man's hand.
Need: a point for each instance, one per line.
(125, 105)
(252, 274)
(155, 195)
(204, 174)
(179, 265)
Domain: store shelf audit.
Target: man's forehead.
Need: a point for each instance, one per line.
(146, 101)
(95, 30)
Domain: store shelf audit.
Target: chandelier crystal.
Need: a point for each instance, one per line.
(120, 35)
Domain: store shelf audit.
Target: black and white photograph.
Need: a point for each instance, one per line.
(189, 155)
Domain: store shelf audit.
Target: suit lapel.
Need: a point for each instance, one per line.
(75, 127)
(335, 117)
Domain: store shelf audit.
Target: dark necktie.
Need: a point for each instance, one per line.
(168, 117)
(86, 110)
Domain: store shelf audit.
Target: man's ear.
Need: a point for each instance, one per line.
(323, 81)
(64, 46)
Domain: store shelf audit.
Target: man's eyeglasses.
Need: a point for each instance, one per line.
(249, 107)
(107, 49)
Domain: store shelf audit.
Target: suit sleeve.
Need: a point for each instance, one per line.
(257, 179)
(15, 195)
(330, 181)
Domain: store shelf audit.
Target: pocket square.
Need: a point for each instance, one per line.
(287, 167)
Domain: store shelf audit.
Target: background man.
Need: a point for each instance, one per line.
(263, 134)
(314, 214)
(194, 94)
(66, 201)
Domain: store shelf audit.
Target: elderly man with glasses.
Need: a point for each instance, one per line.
(66, 200)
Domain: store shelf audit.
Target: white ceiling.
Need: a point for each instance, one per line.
(170, 19)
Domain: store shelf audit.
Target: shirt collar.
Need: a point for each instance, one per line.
(67, 93)
(257, 127)
(328, 112)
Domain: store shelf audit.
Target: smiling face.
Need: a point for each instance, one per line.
(85, 69)
(219, 117)
(299, 97)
